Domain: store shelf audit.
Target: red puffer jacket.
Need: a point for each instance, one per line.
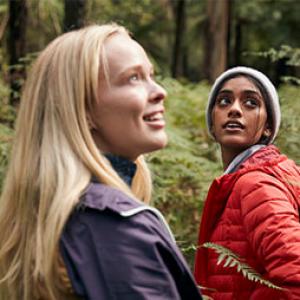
(255, 213)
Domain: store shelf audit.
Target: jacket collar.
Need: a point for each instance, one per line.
(238, 160)
(125, 168)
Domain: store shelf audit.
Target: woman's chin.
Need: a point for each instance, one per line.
(159, 143)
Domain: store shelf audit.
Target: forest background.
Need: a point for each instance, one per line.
(190, 42)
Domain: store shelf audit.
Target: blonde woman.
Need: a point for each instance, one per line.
(72, 216)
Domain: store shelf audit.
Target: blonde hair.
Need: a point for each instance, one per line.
(52, 161)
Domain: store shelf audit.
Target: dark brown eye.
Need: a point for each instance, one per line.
(223, 101)
(251, 102)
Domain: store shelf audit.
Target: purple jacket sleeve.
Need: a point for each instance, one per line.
(112, 257)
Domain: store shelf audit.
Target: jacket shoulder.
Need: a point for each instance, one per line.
(278, 174)
(256, 181)
(100, 197)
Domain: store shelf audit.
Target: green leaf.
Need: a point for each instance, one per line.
(233, 260)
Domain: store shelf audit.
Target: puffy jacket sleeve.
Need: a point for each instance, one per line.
(112, 257)
(271, 220)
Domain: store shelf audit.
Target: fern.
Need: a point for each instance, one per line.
(232, 260)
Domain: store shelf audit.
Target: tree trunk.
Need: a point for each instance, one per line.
(178, 63)
(16, 46)
(231, 5)
(237, 35)
(3, 25)
(216, 39)
(75, 14)
(238, 42)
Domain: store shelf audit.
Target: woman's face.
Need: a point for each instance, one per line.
(128, 118)
(239, 116)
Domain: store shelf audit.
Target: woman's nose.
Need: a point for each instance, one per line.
(157, 93)
(235, 109)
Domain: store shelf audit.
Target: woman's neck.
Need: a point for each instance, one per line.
(228, 156)
(236, 162)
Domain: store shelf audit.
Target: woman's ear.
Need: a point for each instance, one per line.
(267, 132)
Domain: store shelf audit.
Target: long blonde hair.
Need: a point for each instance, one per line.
(52, 161)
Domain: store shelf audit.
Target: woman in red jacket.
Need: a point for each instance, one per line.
(253, 208)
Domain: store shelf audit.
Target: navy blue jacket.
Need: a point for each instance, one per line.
(115, 247)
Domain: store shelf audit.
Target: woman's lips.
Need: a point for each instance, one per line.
(233, 125)
(155, 119)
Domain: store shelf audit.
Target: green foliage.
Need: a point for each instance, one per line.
(258, 25)
(7, 113)
(148, 20)
(152, 23)
(232, 260)
(45, 18)
(288, 137)
(277, 18)
(6, 136)
(292, 55)
(7, 117)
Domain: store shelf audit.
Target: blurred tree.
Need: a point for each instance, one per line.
(179, 48)
(150, 22)
(17, 46)
(47, 17)
(216, 39)
(257, 26)
(75, 14)
(3, 25)
(187, 39)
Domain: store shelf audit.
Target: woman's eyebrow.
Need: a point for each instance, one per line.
(225, 91)
(253, 92)
(134, 68)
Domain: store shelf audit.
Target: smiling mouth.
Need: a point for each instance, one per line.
(154, 117)
(155, 120)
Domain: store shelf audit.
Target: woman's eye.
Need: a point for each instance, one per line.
(252, 103)
(134, 77)
(223, 101)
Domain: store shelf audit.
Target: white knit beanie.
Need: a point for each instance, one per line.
(272, 103)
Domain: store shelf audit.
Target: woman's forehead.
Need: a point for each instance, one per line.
(122, 53)
(241, 83)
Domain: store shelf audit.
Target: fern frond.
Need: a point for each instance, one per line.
(189, 248)
(232, 260)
